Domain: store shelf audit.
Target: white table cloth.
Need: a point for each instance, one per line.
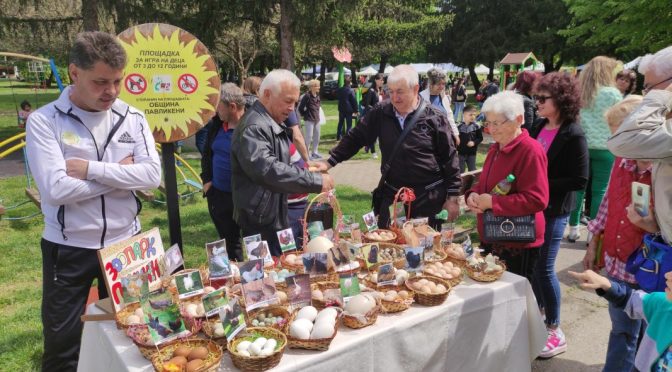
(481, 327)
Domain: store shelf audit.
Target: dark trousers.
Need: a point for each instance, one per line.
(469, 161)
(427, 204)
(348, 122)
(67, 275)
(220, 206)
(520, 261)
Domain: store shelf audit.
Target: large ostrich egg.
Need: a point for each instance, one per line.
(319, 244)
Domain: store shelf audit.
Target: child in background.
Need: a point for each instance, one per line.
(622, 233)
(655, 350)
(26, 109)
(471, 135)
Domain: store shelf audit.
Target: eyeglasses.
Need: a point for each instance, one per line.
(647, 87)
(494, 124)
(541, 99)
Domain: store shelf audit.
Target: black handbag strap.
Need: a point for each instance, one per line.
(408, 127)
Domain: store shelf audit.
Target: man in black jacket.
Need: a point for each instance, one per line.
(426, 160)
(347, 106)
(260, 162)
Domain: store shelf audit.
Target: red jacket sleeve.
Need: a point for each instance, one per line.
(531, 194)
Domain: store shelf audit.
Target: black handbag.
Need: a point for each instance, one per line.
(518, 229)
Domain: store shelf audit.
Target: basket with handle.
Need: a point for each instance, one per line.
(406, 196)
(325, 197)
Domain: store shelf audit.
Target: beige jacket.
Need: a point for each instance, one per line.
(646, 134)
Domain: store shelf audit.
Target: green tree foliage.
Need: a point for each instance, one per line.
(629, 28)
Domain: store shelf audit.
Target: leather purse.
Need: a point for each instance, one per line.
(519, 229)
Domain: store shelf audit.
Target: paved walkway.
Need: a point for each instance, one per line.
(584, 315)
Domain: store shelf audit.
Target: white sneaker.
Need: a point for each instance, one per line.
(555, 344)
(574, 234)
(375, 155)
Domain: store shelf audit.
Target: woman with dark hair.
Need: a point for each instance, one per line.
(558, 132)
(460, 94)
(370, 99)
(626, 81)
(523, 86)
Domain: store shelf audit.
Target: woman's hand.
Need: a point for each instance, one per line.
(591, 280)
(647, 223)
(484, 202)
(472, 203)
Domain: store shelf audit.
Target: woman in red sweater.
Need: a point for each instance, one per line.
(514, 152)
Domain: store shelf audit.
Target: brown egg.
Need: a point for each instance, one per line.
(194, 365)
(182, 351)
(179, 360)
(198, 353)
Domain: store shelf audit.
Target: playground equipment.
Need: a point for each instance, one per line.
(512, 64)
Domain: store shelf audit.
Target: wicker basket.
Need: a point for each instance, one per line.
(121, 315)
(321, 304)
(257, 363)
(406, 196)
(357, 322)
(282, 285)
(429, 299)
(320, 344)
(211, 363)
(368, 239)
(438, 257)
(399, 263)
(209, 330)
(325, 197)
(330, 276)
(396, 306)
(299, 269)
(481, 276)
(274, 310)
(192, 323)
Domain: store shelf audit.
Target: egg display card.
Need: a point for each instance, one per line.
(349, 285)
(355, 233)
(370, 254)
(348, 220)
(315, 263)
(214, 301)
(340, 254)
(370, 221)
(314, 229)
(258, 249)
(218, 260)
(286, 239)
(468, 247)
(259, 293)
(640, 198)
(172, 260)
(298, 290)
(251, 270)
(447, 233)
(386, 275)
(414, 259)
(189, 284)
(232, 317)
(133, 287)
(162, 317)
(401, 214)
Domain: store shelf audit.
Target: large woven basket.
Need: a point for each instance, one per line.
(320, 344)
(139, 334)
(406, 196)
(211, 363)
(481, 276)
(121, 315)
(257, 363)
(429, 299)
(321, 304)
(330, 276)
(396, 306)
(275, 310)
(357, 322)
(368, 239)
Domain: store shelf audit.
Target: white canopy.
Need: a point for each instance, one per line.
(483, 69)
(367, 71)
(309, 70)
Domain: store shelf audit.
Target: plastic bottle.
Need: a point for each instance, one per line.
(504, 186)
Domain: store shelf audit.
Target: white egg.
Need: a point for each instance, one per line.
(282, 296)
(200, 310)
(266, 352)
(133, 319)
(328, 312)
(244, 353)
(319, 244)
(325, 320)
(243, 346)
(317, 294)
(219, 332)
(208, 289)
(191, 308)
(139, 312)
(304, 323)
(254, 349)
(298, 331)
(261, 341)
(360, 304)
(322, 330)
(390, 297)
(270, 344)
(307, 312)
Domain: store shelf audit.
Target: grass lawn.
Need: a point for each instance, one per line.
(11, 95)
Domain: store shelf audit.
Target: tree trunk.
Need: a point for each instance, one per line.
(90, 15)
(286, 36)
(315, 70)
(491, 67)
(383, 63)
(474, 77)
(323, 72)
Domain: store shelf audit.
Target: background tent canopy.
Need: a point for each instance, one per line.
(309, 71)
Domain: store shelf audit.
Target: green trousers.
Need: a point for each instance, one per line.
(601, 162)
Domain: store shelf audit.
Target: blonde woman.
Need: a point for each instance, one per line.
(598, 94)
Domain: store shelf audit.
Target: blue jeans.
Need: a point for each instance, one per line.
(348, 122)
(545, 284)
(459, 108)
(623, 337)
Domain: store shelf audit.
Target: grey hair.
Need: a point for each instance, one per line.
(275, 78)
(404, 73)
(95, 46)
(507, 103)
(659, 63)
(231, 93)
(435, 75)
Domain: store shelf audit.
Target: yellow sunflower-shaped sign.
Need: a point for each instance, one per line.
(172, 77)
